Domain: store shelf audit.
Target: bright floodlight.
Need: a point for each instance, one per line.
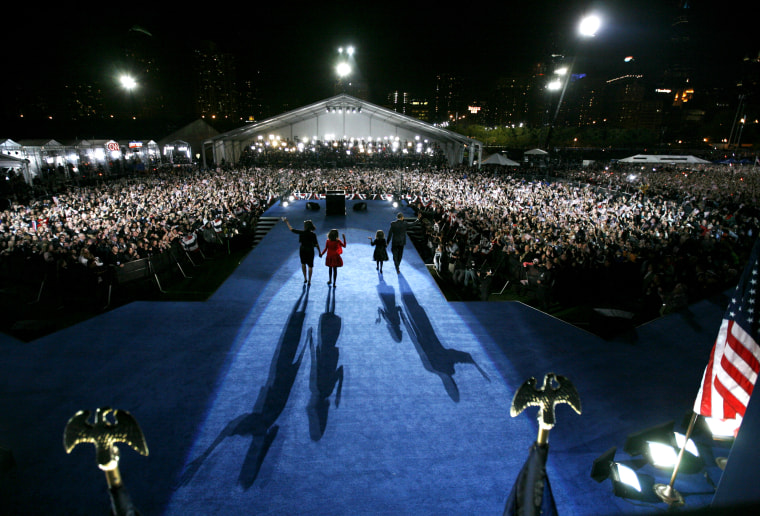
(127, 82)
(589, 25)
(662, 455)
(343, 69)
(554, 85)
(350, 51)
(627, 476)
(690, 446)
(722, 429)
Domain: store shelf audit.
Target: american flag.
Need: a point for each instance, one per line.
(735, 358)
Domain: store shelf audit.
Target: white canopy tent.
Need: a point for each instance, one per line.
(536, 158)
(13, 157)
(663, 159)
(500, 159)
(17, 164)
(339, 118)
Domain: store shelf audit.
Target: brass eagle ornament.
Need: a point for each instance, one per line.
(109, 427)
(556, 389)
(104, 434)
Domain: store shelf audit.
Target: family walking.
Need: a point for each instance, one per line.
(334, 246)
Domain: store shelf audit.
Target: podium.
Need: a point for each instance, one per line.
(335, 202)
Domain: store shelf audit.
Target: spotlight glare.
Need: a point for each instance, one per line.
(343, 69)
(627, 476)
(690, 446)
(722, 429)
(127, 82)
(589, 26)
(662, 455)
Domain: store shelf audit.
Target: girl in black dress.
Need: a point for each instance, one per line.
(380, 254)
(308, 241)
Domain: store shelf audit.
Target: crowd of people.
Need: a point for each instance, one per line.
(651, 241)
(648, 242)
(386, 153)
(89, 231)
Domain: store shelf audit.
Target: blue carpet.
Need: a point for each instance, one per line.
(376, 397)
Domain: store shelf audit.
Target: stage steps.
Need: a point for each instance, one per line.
(263, 226)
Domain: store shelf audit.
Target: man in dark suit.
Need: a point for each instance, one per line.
(397, 238)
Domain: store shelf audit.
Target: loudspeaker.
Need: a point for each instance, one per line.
(335, 203)
(311, 205)
(360, 206)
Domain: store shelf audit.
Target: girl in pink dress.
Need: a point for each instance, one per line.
(334, 248)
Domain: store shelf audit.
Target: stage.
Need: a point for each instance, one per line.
(374, 397)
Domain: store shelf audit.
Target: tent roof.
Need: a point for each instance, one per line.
(40, 143)
(536, 151)
(499, 159)
(663, 159)
(375, 117)
(9, 144)
(193, 133)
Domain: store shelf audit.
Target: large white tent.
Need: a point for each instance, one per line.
(341, 118)
(663, 159)
(500, 159)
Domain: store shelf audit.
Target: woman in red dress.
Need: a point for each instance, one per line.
(334, 248)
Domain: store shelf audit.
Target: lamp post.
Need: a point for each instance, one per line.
(587, 28)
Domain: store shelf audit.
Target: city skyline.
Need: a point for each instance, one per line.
(397, 49)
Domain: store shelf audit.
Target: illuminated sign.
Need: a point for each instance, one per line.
(473, 109)
(113, 146)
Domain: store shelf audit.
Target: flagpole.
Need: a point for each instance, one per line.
(666, 492)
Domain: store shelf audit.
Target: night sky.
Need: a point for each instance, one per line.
(399, 45)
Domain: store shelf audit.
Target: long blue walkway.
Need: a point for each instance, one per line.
(375, 397)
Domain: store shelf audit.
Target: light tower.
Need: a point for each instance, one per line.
(587, 28)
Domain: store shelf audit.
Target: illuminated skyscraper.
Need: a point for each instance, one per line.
(447, 103)
(216, 93)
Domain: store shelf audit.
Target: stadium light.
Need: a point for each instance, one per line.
(127, 82)
(589, 26)
(343, 69)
